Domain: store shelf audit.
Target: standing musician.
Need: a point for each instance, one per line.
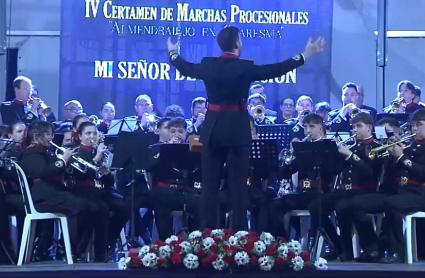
(304, 105)
(358, 174)
(199, 108)
(226, 132)
(98, 187)
(46, 175)
(310, 182)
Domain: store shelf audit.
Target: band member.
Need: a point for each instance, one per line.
(22, 107)
(322, 109)
(144, 113)
(162, 130)
(172, 188)
(258, 88)
(391, 125)
(226, 133)
(287, 110)
(310, 183)
(358, 175)
(108, 114)
(360, 102)
(78, 120)
(407, 101)
(257, 109)
(97, 186)
(198, 109)
(70, 110)
(46, 173)
(340, 118)
(303, 106)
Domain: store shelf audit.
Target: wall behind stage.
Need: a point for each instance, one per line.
(116, 50)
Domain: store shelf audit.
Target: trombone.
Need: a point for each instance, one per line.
(77, 162)
(382, 151)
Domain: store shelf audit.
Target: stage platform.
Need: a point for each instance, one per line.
(345, 270)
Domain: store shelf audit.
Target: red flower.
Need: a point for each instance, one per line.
(229, 260)
(305, 255)
(212, 257)
(176, 259)
(229, 231)
(152, 250)
(271, 249)
(233, 248)
(161, 262)
(291, 255)
(200, 253)
(206, 232)
(214, 248)
(248, 246)
(182, 237)
(159, 243)
(136, 261)
(253, 261)
(217, 239)
(280, 261)
(206, 262)
(177, 249)
(227, 236)
(133, 253)
(281, 239)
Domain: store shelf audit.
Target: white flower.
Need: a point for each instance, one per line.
(164, 251)
(259, 247)
(282, 250)
(267, 238)
(219, 264)
(186, 247)
(150, 260)
(171, 239)
(240, 234)
(266, 263)
(297, 263)
(190, 261)
(122, 263)
(207, 242)
(143, 251)
(321, 264)
(242, 258)
(233, 240)
(217, 233)
(195, 234)
(295, 247)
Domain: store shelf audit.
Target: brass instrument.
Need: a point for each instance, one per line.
(42, 106)
(382, 151)
(94, 119)
(258, 112)
(343, 142)
(287, 156)
(395, 105)
(77, 162)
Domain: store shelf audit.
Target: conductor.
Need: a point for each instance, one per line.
(226, 135)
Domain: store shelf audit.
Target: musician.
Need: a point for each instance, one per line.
(408, 98)
(304, 105)
(258, 88)
(162, 130)
(46, 175)
(76, 122)
(257, 109)
(99, 190)
(391, 125)
(226, 132)
(310, 183)
(287, 110)
(22, 107)
(358, 174)
(108, 114)
(144, 112)
(360, 102)
(322, 109)
(174, 111)
(173, 190)
(198, 109)
(340, 118)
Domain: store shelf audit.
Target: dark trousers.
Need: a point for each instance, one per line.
(11, 204)
(165, 200)
(237, 163)
(279, 207)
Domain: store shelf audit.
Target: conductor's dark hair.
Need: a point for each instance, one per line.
(227, 38)
(418, 115)
(363, 117)
(177, 122)
(83, 126)
(38, 129)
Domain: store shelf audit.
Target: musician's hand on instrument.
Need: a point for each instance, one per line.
(199, 120)
(346, 109)
(67, 154)
(396, 150)
(344, 150)
(35, 104)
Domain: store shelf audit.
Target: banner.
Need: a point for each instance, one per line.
(114, 50)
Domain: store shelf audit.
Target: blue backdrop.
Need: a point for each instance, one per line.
(114, 50)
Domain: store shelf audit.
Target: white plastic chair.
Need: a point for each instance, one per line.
(31, 218)
(410, 235)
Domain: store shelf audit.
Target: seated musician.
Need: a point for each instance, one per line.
(46, 172)
(257, 109)
(98, 187)
(303, 106)
(173, 190)
(358, 174)
(310, 183)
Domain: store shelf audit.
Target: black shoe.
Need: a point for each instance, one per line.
(332, 255)
(393, 259)
(369, 257)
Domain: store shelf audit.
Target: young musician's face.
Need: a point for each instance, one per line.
(177, 134)
(45, 138)
(108, 112)
(362, 130)
(163, 132)
(89, 136)
(67, 138)
(198, 108)
(406, 93)
(304, 105)
(143, 107)
(418, 127)
(24, 91)
(315, 131)
(18, 133)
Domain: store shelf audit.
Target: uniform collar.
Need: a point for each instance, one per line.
(85, 148)
(229, 55)
(420, 142)
(366, 141)
(18, 102)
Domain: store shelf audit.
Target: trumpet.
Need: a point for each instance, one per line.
(42, 106)
(382, 151)
(343, 142)
(94, 119)
(287, 155)
(77, 162)
(258, 111)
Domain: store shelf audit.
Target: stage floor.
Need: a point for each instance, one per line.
(91, 270)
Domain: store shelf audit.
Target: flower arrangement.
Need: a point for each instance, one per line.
(222, 249)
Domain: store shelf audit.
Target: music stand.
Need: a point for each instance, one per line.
(263, 157)
(282, 132)
(125, 124)
(130, 151)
